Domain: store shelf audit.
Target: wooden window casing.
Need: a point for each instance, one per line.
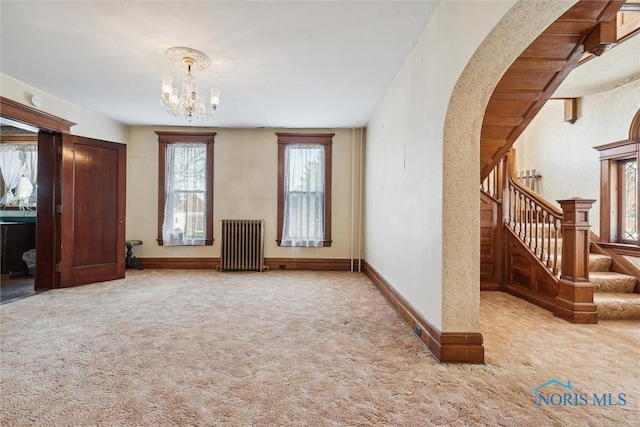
(166, 138)
(613, 157)
(326, 139)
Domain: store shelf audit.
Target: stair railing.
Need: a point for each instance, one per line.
(539, 226)
(529, 178)
(536, 222)
(492, 184)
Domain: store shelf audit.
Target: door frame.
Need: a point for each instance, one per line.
(48, 230)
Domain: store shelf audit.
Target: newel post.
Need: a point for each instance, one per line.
(574, 301)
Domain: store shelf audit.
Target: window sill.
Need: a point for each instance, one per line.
(17, 208)
(207, 242)
(325, 244)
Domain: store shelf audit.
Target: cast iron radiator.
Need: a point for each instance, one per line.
(242, 247)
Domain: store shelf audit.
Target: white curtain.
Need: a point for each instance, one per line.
(185, 195)
(304, 168)
(30, 152)
(11, 167)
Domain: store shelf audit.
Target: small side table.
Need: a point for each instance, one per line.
(131, 261)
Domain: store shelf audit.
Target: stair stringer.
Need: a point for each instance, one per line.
(526, 276)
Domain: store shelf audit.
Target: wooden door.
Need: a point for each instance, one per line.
(93, 211)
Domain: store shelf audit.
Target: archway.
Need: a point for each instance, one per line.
(514, 33)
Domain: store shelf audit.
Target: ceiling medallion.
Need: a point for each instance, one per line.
(186, 102)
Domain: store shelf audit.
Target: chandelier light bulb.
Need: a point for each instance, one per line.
(215, 98)
(167, 85)
(186, 102)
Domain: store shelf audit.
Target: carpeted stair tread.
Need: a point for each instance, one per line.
(617, 305)
(608, 281)
(599, 262)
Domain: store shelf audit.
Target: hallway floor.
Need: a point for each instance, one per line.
(16, 289)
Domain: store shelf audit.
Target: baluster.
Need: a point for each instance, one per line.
(530, 207)
(516, 203)
(548, 219)
(495, 182)
(525, 215)
(523, 223)
(535, 224)
(543, 239)
(533, 182)
(488, 184)
(521, 209)
(532, 211)
(555, 247)
(520, 214)
(511, 202)
(525, 209)
(517, 208)
(529, 221)
(512, 209)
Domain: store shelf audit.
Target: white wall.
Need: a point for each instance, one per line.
(563, 153)
(432, 138)
(404, 158)
(245, 186)
(89, 123)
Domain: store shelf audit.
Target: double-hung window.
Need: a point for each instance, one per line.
(304, 189)
(185, 189)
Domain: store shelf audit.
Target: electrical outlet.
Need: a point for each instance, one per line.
(417, 330)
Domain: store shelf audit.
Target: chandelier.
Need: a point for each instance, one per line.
(187, 102)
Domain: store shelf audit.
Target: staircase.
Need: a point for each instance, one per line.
(613, 292)
(522, 249)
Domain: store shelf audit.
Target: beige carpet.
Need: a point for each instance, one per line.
(291, 348)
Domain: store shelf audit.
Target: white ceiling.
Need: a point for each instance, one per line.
(616, 67)
(278, 64)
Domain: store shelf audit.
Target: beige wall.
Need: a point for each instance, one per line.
(245, 178)
(89, 123)
(245, 186)
(563, 153)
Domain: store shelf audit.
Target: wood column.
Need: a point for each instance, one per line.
(574, 301)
